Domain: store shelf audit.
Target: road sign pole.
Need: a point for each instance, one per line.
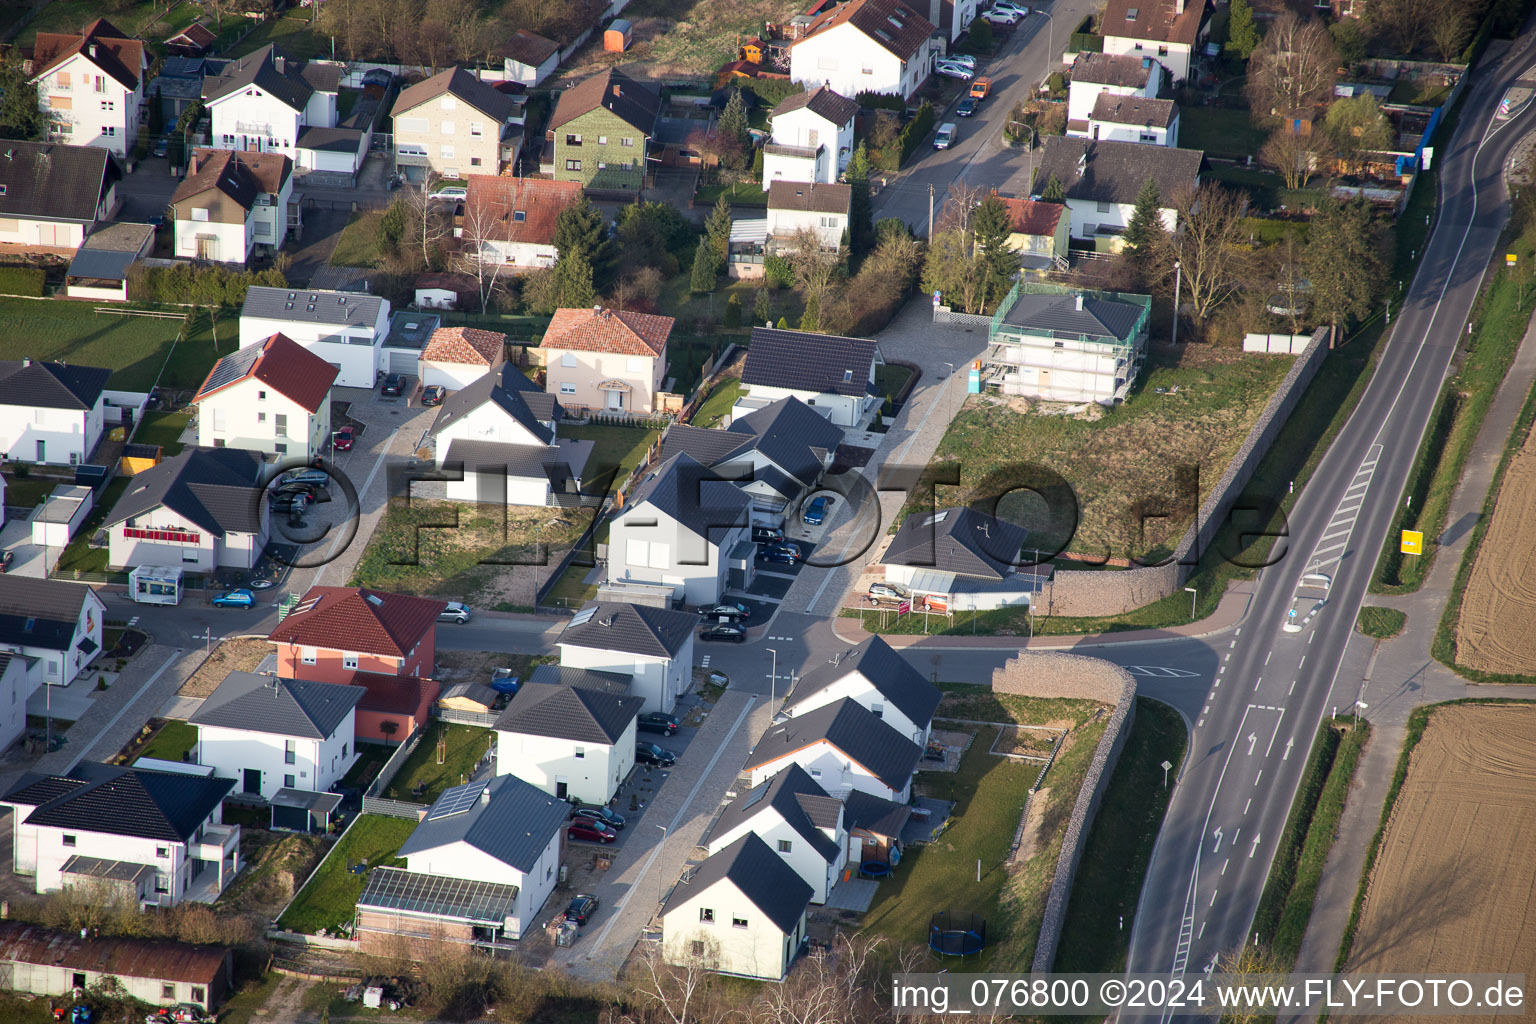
(1165, 766)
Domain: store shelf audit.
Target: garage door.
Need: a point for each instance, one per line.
(403, 360)
(491, 485)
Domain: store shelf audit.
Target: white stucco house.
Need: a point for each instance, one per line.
(797, 819)
(740, 912)
(456, 357)
(232, 202)
(1102, 180)
(794, 206)
(1065, 346)
(844, 747)
(270, 103)
(161, 834)
(876, 46)
(833, 375)
(52, 195)
(651, 646)
(267, 733)
(346, 329)
(91, 86)
(684, 527)
(56, 626)
(572, 742)
(512, 220)
(1172, 31)
(201, 510)
(876, 677)
(812, 137)
(1103, 74)
(1133, 119)
(51, 413)
(272, 397)
(16, 685)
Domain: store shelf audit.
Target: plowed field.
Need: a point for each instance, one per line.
(1493, 632)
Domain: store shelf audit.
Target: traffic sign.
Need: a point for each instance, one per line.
(1510, 259)
(1413, 542)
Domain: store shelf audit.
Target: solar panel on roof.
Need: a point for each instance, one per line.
(754, 797)
(232, 367)
(584, 616)
(457, 800)
(463, 898)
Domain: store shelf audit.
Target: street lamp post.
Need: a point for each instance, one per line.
(1194, 595)
(773, 678)
(1178, 279)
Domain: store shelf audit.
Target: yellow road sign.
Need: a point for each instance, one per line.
(1413, 542)
(1511, 258)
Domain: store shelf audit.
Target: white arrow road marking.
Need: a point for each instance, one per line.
(1218, 841)
(1288, 745)
(1252, 739)
(1253, 849)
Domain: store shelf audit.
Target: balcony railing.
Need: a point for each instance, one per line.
(217, 842)
(801, 152)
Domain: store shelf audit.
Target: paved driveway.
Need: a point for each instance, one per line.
(147, 191)
(322, 229)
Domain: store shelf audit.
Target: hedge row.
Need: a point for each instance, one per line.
(26, 281)
(916, 131)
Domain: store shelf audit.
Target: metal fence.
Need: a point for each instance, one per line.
(393, 808)
(393, 765)
(485, 719)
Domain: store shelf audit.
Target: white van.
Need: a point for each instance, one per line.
(945, 136)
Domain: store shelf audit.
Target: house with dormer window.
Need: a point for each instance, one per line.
(879, 46)
(267, 102)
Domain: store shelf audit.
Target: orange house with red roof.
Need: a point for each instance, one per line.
(336, 632)
(395, 706)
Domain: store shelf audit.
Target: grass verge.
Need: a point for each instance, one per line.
(358, 244)
(159, 427)
(462, 747)
(718, 405)
(172, 742)
(1381, 623)
(330, 898)
(616, 452)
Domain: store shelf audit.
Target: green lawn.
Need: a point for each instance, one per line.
(465, 745)
(678, 300)
(164, 429)
(979, 704)
(687, 353)
(358, 245)
(1220, 132)
(889, 380)
(616, 448)
(1381, 623)
(291, 32)
(719, 403)
(742, 193)
(172, 741)
(330, 898)
(79, 556)
(570, 591)
(137, 19)
(27, 492)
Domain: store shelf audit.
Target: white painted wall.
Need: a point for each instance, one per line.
(805, 127)
(784, 225)
(236, 550)
(316, 766)
(843, 410)
(758, 950)
(859, 689)
(67, 435)
(41, 850)
(462, 860)
(1088, 214)
(657, 680)
(1173, 56)
(1082, 95)
(453, 376)
(15, 688)
(771, 827)
(547, 761)
(248, 414)
(849, 62)
(95, 107)
(251, 119)
(646, 545)
(59, 668)
(353, 349)
(834, 770)
(487, 423)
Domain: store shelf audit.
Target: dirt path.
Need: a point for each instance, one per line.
(286, 1005)
(1493, 632)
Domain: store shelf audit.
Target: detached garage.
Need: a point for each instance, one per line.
(331, 149)
(458, 356)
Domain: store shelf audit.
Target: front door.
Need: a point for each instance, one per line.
(252, 781)
(207, 247)
(42, 451)
(615, 401)
(561, 789)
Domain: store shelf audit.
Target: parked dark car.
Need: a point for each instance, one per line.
(290, 502)
(786, 553)
(583, 907)
(589, 831)
(725, 610)
(613, 819)
(724, 632)
(656, 721)
(650, 753)
(767, 535)
(816, 512)
(314, 492)
(433, 394)
(393, 386)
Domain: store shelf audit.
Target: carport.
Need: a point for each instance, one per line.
(298, 810)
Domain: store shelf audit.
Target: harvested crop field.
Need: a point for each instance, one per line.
(1454, 886)
(1492, 630)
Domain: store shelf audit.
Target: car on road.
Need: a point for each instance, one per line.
(393, 386)
(724, 632)
(725, 610)
(658, 721)
(879, 591)
(613, 819)
(997, 17)
(581, 909)
(457, 611)
(433, 394)
(967, 107)
(235, 599)
(589, 831)
(816, 512)
(981, 89)
(945, 136)
(781, 553)
(767, 535)
(959, 71)
(6, 558)
(650, 753)
(343, 439)
(162, 146)
(450, 194)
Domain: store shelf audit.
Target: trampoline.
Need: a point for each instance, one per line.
(875, 869)
(955, 934)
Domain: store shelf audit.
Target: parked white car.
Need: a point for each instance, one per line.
(955, 71)
(964, 59)
(1009, 5)
(1002, 17)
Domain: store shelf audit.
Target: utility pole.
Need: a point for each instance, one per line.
(1178, 279)
(930, 213)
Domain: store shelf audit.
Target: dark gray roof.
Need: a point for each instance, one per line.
(871, 813)
(493, 103)
(512, 821)
(631, 628)
(50, 181)
(292, 86)
(586, 678)
(516, 395)
(888, 672)
(851, 728)
(32, 383)
(312, 306)
(1113, 172)
(39, 613)
(705, 445)
(794, 795)
(792, 435)
(217, 489)
(799, 361)
(700, 500)
(1134, 110)
(281, 707)
(760, 874)
(569, 713)
(958, 540)
(329, 140)
(821, 101)
(101, 264)
(1119, 69)
(1055, 316)
(521, 460)
(120, 801)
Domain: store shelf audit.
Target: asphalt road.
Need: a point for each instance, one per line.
(1272, 688)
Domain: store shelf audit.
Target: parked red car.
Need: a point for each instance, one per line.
(591, 831)
(342, 440)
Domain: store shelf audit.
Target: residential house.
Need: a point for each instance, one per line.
(833, 375)
(394, 707)
(875, 676)
(795, 206)
(201, 510)
(685, 527)
(952, 17)
(1068, 346)
(267, 733)
(409, 332)
(651, 646)
(511, 221)
(528, 58)
(91, 86)
(1103, 74)
(49, 963)
(865, 46)
(812, 138)
(844, 747)
(272, 397)
(16, 683)
(178, 85)
(1038, 231)
(336, 631)
(1133, 119)
(100, 268)
(1103, 179)
(797, 819)
(479, 868)
(776, 455)
(740, 912)
(452, 125)
(267, 102)
(606, 359)
(1170, 30)
(193, 41)
(599, 132)
(572, 742)
(496, 442)
(161, 832)
(232, 203)
(52, 195)
(456, 357)
(51, 413)
(55, 626)
(346, 329)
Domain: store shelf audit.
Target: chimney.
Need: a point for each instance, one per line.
(26, 362)
(191, 165)
(281, 64)
(1079, 302)
(485, 796)
(1179, 5)
(617, 90)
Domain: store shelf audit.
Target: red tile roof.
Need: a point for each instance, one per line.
(282, 364)
(891, 24)
(118, 56)
(608, 330)
(360, 620)
(196, 34)
(466, 345)
(1162, 21)
(394, 695)
(1031, 216)
(508, 209)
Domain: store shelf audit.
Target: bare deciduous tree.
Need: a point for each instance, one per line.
(478, 254)
(428, 225)
(1407, 23)
(675, 991)
(1449, 30)
(641, 286)
(1290, 154)
(1293, 69)
(815, 265)
(1209, 245)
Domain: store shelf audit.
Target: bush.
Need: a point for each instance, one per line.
(778, 271)
(203, 286)
(732, 311)
(881, 101)
(771, 91)
(22, 281)
(981, 35)
(1057, 83)
(916, 131)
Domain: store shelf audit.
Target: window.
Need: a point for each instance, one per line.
(549, 872)
(263, 229)
(261, 417)
(568, 359)
(101, 83)
(738, 922)
(189, 555)
(1162, 51)
(167, 991)
(627, 141)
(696, 947)
(474, 161)
(411, 149)
(199, 994)
(343, 751)
(636, 552)
(307, 655)
(447, 152)
(573, 165)
(706, 916)
(1103, 206)
(109, 131)
(261, 396)
(200, 214)
(108, 105)
(162, 885)
(785, 845)
(162, 852)
(573, 140)
(602, 140)
(476, 128)
(289, 782)
(349, 661)
(878, 710)
(279, 447)
(281, 424)
(290, 752)
(829, 222)
(815, 773)
(567, 389)
(69, 840)
(581, 752)
(1148, 137)
(867, 71)
(229, 140)
(411, 124)
(637, 364)
(447, 127)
